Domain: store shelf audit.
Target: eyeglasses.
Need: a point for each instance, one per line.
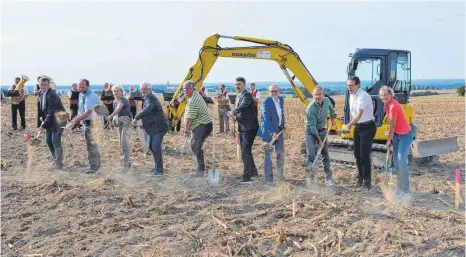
(273, 91)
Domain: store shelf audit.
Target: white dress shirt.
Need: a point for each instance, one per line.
(279, 110)
(43, 100)
(258, 94)
(237, 97)
(361, 100)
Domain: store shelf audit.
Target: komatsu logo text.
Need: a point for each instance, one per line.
(243, 55)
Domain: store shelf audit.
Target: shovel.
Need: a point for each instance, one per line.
(35, 140)
(273, 140)
(183, 150)
(214, 173)
(388, 164)
(311, 168)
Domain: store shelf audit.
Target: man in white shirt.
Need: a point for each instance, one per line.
(362, 117)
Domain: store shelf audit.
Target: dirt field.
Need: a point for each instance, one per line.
(69, 213)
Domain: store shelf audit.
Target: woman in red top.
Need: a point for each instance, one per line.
(400, 135)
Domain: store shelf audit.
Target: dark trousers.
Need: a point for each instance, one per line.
(110, 111)
(74, 113)
(73, 110)
(156, 148)
(133, 110)
(38, 115)
(363, 138)
(246, 140)
(21, 107)
(53, 140)
(199, 136)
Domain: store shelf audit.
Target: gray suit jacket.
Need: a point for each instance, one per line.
(153, 118)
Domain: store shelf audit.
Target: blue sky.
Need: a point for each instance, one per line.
(128, 42)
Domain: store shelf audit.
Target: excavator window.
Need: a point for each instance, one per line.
(400, 74)
(368, 71)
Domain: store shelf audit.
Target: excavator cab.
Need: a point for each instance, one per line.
(376, 68)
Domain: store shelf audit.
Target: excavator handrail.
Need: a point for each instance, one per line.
(272, 50)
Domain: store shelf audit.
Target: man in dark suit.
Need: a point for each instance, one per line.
(50, 104)
(246, 115)
(272, 122)
(155, 124)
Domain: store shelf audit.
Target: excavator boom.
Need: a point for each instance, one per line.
(284, 55)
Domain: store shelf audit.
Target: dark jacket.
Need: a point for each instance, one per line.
(153, 118)
(246, 112)
(269, 119)
(53, 105)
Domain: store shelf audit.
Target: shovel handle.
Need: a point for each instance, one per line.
(321, 147)
(279, 133)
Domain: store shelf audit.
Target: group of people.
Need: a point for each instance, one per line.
(153, 122)
(199, 126)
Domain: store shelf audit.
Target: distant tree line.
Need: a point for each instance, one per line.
(414, 87)
(460, 91)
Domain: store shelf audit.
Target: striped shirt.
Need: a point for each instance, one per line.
(197, 111)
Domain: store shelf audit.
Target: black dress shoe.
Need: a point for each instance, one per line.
(359, 184)
(255, 174)
(245, 180)
(367, 185)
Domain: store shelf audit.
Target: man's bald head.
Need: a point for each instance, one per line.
(274, 91)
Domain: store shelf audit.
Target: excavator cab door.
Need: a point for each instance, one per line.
(400, 75)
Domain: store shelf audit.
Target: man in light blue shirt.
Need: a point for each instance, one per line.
(87, 101)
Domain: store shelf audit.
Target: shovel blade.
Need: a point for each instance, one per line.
(35, 141)
(214, 176)
(311, 171)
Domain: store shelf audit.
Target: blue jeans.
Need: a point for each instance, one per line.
(401, 146)
(280, 150)
(53, 140)
(156, 147)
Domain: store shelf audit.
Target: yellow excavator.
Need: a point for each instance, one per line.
(375, 67)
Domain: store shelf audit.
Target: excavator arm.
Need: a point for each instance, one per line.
(284, 55)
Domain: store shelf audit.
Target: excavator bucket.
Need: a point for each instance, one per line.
(426, 148)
